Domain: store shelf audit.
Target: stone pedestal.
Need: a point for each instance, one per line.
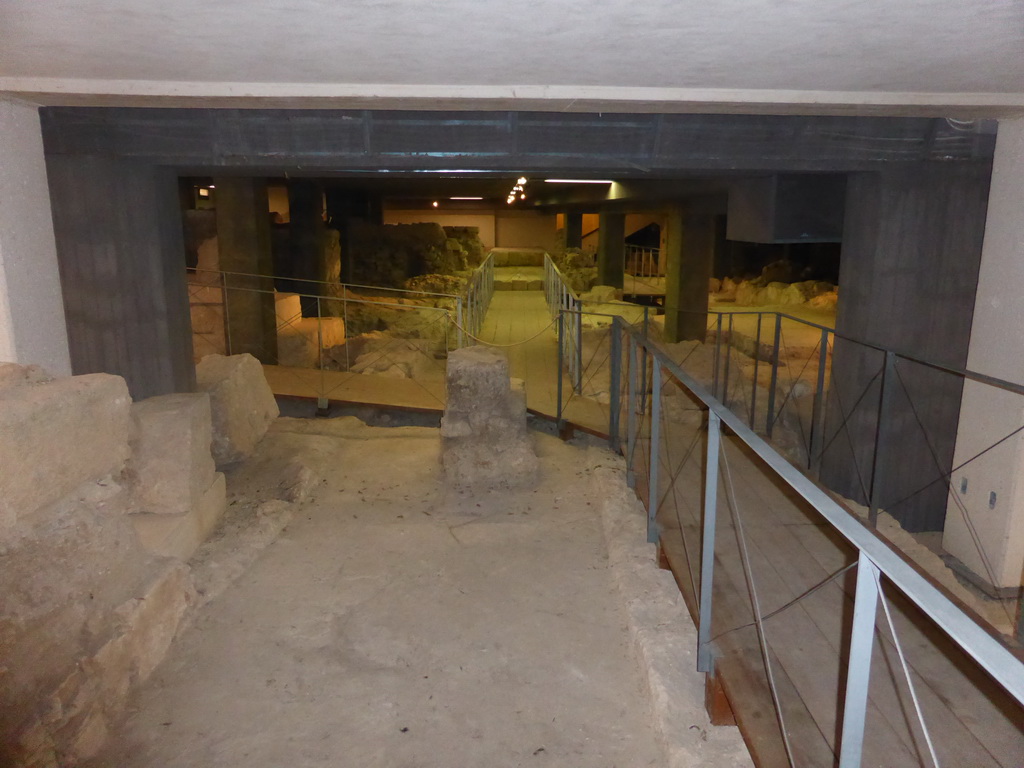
(483, 432)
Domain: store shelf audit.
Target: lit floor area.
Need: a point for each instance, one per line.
(396, 622)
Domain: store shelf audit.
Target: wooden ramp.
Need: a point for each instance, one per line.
(517, 321)
(793, 553)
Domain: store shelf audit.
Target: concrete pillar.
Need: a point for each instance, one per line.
(344, 207)
(306, 239)
(611, 249)
(243, 244)
(987, 413)
(32, 327)
(120, 246)
(573, 230)
(689, 254)
(912, 242)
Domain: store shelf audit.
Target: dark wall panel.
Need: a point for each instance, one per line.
(121, 254)
(911, 252)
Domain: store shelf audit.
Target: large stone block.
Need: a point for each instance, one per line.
(171, 463)
(241, 402)
(57, 435)
(483, 432)
(180, 535)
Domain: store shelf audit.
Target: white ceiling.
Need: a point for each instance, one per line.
(565, 54)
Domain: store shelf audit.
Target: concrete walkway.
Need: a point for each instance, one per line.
(397, 623)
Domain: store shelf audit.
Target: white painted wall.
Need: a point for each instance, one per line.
(32, 328)
(987, 414)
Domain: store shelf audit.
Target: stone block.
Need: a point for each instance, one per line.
(181, 534)
(57, 435)
(241, 403)
(535, 284)
(14, 375)
(483, 432)
(171, 463)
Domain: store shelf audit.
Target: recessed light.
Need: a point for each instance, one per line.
(434, 203)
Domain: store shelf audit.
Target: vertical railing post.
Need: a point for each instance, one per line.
(705, 658)
(458, 319)
(561, 373)
(615, 376)
(816, 448)
(858, 674)
(321, 398)
(652, 481)
(770, 420)
(227, 314)
(633, 351)
(728, 359)
(718, 354)
(579, 348)
(881, 435)
(757, 357)
(647, 311)
(344, 312)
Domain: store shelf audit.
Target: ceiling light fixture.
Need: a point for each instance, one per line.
(519, 190)
(465, 198)
(578, 181)
(434, 203)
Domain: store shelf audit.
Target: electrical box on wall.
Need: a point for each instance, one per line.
(787, 208)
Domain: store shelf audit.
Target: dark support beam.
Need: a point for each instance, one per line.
(573, 230)
(306, 240)
(122, 264)
(908, 277)
(528, 141)
(243, 246)
(611, 243)
(690, 252)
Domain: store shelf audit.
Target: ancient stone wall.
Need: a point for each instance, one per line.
(101, 503)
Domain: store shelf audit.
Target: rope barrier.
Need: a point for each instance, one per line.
(540, 333)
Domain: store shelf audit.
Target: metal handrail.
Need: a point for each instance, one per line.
(875, 555)
(562, 299)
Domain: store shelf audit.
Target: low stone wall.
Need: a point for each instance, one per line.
(101, 503)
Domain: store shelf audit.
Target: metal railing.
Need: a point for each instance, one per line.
(475, 300)
(564, 304)
(639, 261)
(653, 465)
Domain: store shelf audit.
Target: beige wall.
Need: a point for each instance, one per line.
(32, 329)
(988, 414)
(525, 229)
(483, 221)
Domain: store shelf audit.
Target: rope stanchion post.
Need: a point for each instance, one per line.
(858, 675)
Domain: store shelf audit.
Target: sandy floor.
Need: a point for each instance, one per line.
(396, 623)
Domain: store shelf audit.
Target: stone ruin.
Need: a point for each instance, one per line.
(484, 439)
(102, 502)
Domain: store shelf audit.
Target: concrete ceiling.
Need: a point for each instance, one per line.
(911, 56)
